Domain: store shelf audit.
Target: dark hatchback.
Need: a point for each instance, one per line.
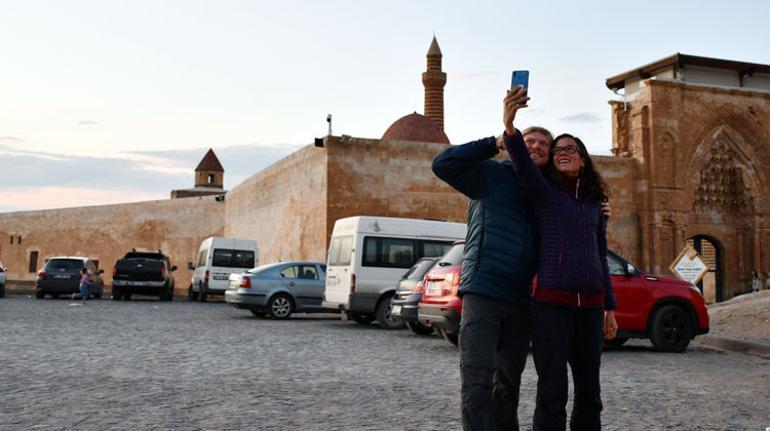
(61, 276)
(408, 294)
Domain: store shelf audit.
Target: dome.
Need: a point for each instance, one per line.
(415, 127)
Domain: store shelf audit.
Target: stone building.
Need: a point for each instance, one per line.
(209, 178)
(698, 131)
(690, 138)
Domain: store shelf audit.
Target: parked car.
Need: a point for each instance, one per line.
(368, 255)
(143, 273)
(279, 289)
(61, 276)
(668, 311)
(2, 280)
(408, 294)
(440, 307)
(219, 257)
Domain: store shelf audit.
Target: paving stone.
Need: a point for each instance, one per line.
(189, 366)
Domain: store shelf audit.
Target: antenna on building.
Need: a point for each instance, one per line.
(329, 120)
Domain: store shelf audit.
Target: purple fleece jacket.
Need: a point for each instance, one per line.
(572, 260)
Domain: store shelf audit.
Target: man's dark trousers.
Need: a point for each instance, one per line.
(494, 342)
(562, 335)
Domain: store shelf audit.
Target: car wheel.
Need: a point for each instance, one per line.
(616, 342)
(419, 329)
(192, 296)
(361, 318)
(384, 316)
(258, 313)
(116, 295)
(166, 294)
(202, 296)
(280, 306)
(671, 329)
(126, 296)
(98, 295)
(2, 291)
(452, 338)
(55, 295)
(39, 295)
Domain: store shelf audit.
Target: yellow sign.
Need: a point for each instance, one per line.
(688, 265)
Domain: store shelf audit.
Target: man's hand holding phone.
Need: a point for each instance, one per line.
(515, 99)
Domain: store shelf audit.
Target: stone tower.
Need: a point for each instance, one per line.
(434, 80)
(210, 172)
(209, 179)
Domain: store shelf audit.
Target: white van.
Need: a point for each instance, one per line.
(368, 255)
(219, 257)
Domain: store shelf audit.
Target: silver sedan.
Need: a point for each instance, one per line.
(279, 289)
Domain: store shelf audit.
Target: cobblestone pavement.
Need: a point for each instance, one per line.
(182, 365)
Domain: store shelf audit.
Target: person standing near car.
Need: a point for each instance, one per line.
(573, 302)
(497, 268)
(85, 283)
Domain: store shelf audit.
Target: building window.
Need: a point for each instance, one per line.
(11, 239)
(33, 261)
(18, 240)
(211, 178)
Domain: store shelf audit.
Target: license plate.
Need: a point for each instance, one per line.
(396, 309)
(61, 276)
(434, 288)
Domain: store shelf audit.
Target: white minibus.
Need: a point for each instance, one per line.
(368, 255)
(218, 257)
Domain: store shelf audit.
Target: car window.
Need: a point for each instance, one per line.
(616, 265)
(340, 251)
(389, 252)
(201, 258)
(435, 248)
(227, 258)
(453, 257)
(290, 272)
(419, 269)
(65, 264)
(323, 270)
(308, 272)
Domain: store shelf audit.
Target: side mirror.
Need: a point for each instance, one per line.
(190, 266)
(173, 268)
(630, 270)
(101, 271)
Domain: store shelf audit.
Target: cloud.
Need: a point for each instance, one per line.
(88, 123)
(582, 118)
(34, 179)
(11, 139)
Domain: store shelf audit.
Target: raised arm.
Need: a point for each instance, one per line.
(464, 167)
(529, 174)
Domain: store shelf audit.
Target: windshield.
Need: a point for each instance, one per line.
(417, 272)
(454, 256)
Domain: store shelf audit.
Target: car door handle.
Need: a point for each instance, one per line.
(291, 283)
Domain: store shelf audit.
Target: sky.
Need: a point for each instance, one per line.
(109, 101)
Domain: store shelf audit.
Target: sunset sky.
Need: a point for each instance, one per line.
(116, 101)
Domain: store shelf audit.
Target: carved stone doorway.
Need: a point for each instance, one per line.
(711, 283)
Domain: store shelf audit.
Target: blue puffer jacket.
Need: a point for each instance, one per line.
(501, 243)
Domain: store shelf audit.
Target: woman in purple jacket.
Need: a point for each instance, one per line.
(573, 302)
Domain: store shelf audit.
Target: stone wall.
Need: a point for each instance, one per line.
(388, 178)
(283, 208)
(702, 154)
(106, 232)
(623, 235)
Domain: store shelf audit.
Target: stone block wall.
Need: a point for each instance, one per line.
(283, 208)
(105, 233)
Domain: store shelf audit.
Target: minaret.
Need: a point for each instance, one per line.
(434, 80)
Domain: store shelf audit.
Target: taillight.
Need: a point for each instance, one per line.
(451, 283)
(419, 287)
(41, 274)
(245, 282)
(206, 276)
(114, 271)
(352, 283)
(163, 271)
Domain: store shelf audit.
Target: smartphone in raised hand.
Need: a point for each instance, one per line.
(520, 77)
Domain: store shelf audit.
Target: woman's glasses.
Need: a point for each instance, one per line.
(569, 149)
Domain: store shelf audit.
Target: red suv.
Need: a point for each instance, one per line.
(668, 311)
